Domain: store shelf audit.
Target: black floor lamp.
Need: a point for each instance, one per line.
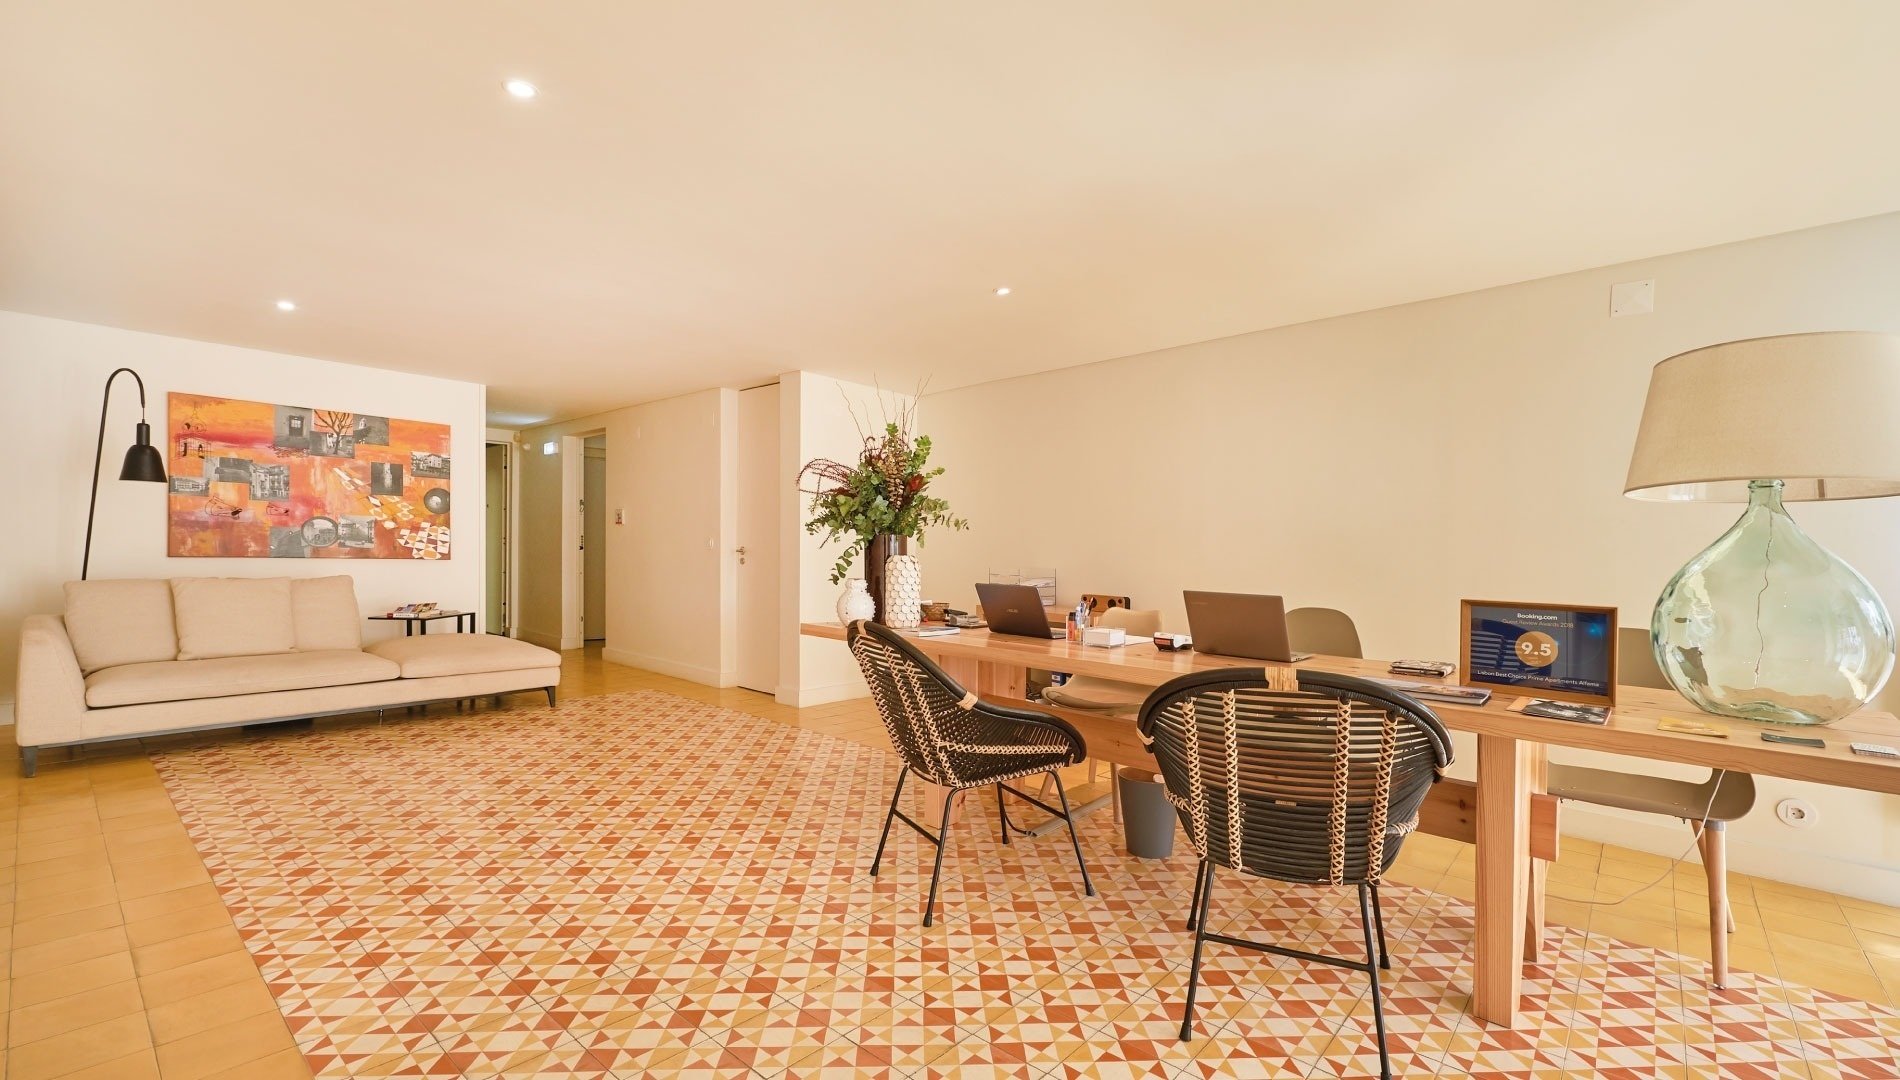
(142, 459)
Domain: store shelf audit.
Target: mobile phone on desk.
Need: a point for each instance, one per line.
(1793, 740)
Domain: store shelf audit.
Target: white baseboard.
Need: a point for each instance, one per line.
(664, 666)
(806, 697)
(1668, 838)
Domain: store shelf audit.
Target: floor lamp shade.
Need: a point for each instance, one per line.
(1765, 623)
(142, 461)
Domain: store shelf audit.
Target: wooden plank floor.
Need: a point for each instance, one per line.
(122, 962)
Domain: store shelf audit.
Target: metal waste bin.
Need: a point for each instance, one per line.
(1147, 816)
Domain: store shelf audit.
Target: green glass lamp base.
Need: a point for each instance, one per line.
(1765, 624)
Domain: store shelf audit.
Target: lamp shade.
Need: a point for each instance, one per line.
(142, 461)
(1815, 411)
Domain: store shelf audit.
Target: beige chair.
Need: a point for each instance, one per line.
(1722, 798)
(1106, 695)
(1323, 631)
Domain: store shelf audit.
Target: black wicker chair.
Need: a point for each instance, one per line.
(948, 736)
(1298, 776)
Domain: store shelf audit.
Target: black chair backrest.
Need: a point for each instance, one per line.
(923, 708)
(1299, 776)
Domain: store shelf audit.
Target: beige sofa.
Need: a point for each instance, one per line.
(148, 657)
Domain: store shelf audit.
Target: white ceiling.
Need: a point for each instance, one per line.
(710, 193)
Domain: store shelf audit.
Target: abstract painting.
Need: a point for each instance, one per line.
(257, 481)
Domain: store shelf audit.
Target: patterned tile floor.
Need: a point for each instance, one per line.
(643, 884)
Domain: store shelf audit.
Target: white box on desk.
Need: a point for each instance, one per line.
(1107, 637)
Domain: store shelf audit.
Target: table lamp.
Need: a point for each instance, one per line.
(1766, 624)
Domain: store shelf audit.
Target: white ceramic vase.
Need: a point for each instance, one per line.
(855, 602)
(903, 593)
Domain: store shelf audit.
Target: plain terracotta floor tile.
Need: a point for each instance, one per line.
(39, 907)
(66, 924)
(224, 1047)
(72, 979)
(49, 1018)
(80, 1048)
(176, 924)
(140, 1066)
(196, 978)
(157, 904)
(34, 959)
(186, 949)
(172, 1020)
(283, 1065)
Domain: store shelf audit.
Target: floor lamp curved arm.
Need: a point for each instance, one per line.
(142, 459)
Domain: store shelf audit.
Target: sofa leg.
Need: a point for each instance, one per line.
(550, 691)
(497, 701)
(29, 760)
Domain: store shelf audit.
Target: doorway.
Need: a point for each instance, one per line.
(594, 539)
(760, 483)
(495, 559)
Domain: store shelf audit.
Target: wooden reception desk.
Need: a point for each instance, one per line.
(1505, 813)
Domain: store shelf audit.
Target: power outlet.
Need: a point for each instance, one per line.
(1796, 813)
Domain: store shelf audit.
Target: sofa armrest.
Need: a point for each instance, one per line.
(50, 705)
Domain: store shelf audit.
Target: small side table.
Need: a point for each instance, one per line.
(411, 622)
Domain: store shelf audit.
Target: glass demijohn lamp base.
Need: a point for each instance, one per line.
(1766, 624)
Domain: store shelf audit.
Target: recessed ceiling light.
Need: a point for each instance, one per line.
(520, 88)
(286, 305)
(1002, 290)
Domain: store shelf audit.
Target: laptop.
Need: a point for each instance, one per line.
(1016, 609)
(1247, 625)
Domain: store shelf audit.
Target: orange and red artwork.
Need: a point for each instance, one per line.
(257, 481)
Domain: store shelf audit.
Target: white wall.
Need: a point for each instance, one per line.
(1391, 462)
(671, 468)
(816, 421)
(51, 375)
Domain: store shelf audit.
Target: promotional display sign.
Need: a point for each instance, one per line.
(1562, 651)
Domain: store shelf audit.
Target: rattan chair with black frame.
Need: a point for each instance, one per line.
(954, 739)
(1298, 776)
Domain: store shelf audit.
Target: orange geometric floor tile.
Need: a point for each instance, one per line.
(643, 885)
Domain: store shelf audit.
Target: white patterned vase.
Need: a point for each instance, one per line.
(903, 593)
(855, 602)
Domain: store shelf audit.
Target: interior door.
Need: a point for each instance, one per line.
(759, 482)
(496, 593)
(594, 545)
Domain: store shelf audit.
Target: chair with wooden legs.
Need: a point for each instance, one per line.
(1708, 806)
(1323, 631)
(1296, 776)
(950, 737)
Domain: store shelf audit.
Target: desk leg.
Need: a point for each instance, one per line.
(1540, 868)
(1506, 770)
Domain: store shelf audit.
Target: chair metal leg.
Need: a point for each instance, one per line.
(1002, 814)
(1372, 972)
(943, 841)
(888, 818)
(1203, 891)
(1194, 905)
(1378, 922)
(1088, 887)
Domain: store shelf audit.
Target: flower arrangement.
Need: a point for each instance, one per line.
(885, 494)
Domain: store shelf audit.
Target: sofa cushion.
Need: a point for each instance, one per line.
(229, 676)
(428, 656)
(233, 617)
(120, 622)
(325, 613)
